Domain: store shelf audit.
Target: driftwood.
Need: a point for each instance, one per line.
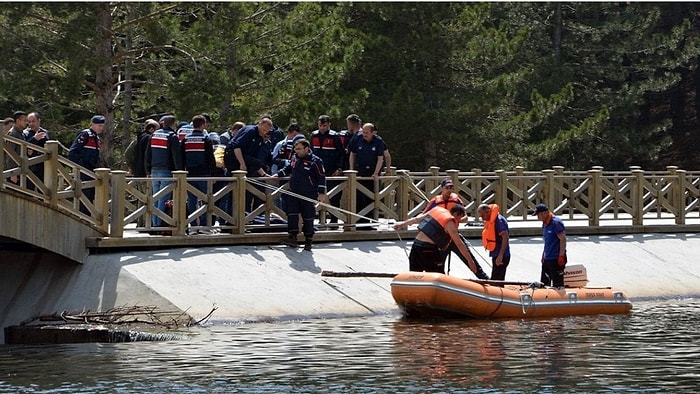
(124, 315)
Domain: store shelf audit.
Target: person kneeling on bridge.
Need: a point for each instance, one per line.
(437, 232)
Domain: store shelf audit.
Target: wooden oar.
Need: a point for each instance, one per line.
(358, 274)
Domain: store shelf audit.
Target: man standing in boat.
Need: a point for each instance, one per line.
(495, 237)
(554, 255)
(437, 232)
(447, 199)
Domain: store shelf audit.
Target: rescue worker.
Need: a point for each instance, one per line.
(554, 254)
(162, 158)
(495, 238)
(198, 156)
(447, 199)
(306, 179)
(85, 151)
(437, 232)
(327, 144)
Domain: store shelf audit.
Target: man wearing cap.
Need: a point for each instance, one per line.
(85, 151)
(554, 255)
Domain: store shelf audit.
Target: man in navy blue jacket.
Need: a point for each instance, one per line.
(198, 156)
(85, 151)
(307, 182)
(162, 158)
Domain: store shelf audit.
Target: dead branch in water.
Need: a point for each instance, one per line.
(136, 314)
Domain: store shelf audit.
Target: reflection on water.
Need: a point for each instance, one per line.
(656, 348)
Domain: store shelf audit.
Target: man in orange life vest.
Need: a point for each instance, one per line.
(495, 237)
(447, 199)
(437, 232)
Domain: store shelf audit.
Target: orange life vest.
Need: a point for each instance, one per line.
(433, 226)
(439, 201)
(488, 234)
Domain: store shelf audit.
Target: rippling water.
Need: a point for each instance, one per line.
(654, 349)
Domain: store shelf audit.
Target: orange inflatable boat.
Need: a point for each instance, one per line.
(425, 294)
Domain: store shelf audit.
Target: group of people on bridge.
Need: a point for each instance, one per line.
(262, 150)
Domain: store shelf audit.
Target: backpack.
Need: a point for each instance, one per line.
(230, 160)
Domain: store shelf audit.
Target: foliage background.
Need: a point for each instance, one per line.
(454, 85)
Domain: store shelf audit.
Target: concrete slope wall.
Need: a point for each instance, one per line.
(266, 282)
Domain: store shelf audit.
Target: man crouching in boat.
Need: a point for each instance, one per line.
(437, 232)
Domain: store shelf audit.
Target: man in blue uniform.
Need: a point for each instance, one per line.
(85, 151)
(163, 157)
(307, 182)
(367, 157)
(554, 255)
(250, 154)
(198, 156)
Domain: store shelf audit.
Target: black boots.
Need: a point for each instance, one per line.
(291, 241)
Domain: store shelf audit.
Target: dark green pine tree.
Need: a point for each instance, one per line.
(603, 61)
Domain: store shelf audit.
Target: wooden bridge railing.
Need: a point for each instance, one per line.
(635, 197)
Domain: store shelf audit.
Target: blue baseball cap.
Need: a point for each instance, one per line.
(540, 208)
(98, 119)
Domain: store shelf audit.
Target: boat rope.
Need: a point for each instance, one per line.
(263, 184)
(318, 203)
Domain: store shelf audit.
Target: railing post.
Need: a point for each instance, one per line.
(595, 196)
(557, 195)
(351, 201)
(2, 161)
(102, 198)
(51, 172)
(548, 189)
(434, 181)
(454, 175)
(238, 201)
(116, 219)
(501, 191)
(180, 202)
(679, 201)
(402, 200)
(638, 197)
(477, 184)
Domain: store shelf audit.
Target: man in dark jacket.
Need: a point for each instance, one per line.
(198, 155)
(307, 183)
(162, 158)
(85, 151)
(38, 136)
(136, 151)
